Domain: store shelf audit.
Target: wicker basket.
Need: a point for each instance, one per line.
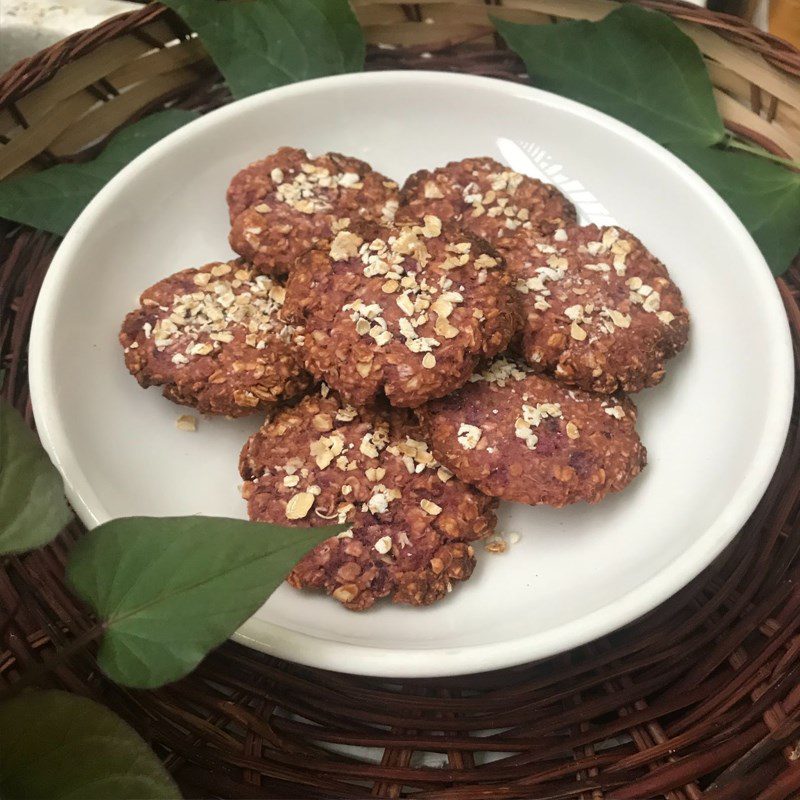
(701, 698)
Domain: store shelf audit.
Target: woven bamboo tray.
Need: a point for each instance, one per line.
(701, 698)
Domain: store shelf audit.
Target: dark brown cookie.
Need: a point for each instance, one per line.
(599, 310)
(213, 338)
(322, 462)
(407, 312)
(525, 437)
(282, 205)
(485, 198)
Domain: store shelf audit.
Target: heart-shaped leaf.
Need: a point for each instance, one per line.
(639, 67)
(32, 505)
(260, 44)
(171, 589)
(764, 195)
(58, 746)
(52, 199)
(635, 65)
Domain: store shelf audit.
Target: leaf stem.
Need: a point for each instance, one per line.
(56, 659)
(737, 144)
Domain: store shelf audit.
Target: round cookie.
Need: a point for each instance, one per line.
(525, 437)
(213, 339)
(322, 462)
(282, 205)
(407, 312)
(486, 198)
(599, 310)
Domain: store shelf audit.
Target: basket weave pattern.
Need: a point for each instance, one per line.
(701, 698)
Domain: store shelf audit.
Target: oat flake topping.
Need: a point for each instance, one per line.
(415, 296)
(228, 297)
(302, 192)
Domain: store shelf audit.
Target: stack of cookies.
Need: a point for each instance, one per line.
(419, 354)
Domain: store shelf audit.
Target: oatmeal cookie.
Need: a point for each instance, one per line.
(213, 338)
(526, 437)
(282, 205)
(322, 462)
(599, 310)
(406, 311)
(485, 198)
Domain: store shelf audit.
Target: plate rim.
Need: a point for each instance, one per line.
(363, 659)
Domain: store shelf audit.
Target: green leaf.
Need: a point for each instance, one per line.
(171, 589)
(764, 195)
(260, 44)
(32, 505)
(635, 65)
(58, 746)
(51, 200)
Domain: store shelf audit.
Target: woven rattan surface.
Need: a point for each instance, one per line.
(701, 698)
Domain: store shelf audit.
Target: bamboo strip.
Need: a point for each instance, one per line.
(92, 67)
(749, 65)
(181, 54)
(107, 117)
(412, 34)
(735, 112)
(29, 143)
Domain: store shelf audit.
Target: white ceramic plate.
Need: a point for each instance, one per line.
(713, 430)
